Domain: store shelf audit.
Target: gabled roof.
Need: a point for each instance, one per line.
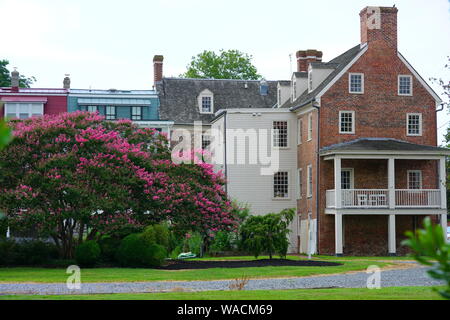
(179, 97)
(338, 64)
(380, 144)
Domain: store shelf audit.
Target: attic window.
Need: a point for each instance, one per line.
(356, 83)
(206, 102)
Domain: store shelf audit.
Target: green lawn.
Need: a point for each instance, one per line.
(29, 274)
(392, 293)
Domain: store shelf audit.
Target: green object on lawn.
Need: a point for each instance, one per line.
(186, 255)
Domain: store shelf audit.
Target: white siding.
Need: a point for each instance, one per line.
(245, 181)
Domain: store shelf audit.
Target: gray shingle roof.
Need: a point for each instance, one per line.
(338, 64)
(178, 97)
(380, 144)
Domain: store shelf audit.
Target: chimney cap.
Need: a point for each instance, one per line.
(158, 58)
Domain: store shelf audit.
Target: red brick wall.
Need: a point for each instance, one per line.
(379, 112)
(307, 152)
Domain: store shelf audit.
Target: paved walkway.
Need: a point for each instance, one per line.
(414, 276)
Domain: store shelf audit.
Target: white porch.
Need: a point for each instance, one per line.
(388, 201)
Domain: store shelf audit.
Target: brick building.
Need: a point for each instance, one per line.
(368, 165)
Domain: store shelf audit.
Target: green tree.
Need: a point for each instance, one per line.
(5, 77)
(268, 233)
(431, 249)
(230, 64)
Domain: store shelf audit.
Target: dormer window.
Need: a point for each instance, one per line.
(356, 83)
(206, 101)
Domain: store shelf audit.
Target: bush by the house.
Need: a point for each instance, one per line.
(33, 252)
(158, 234)
(267, 234)
(109, 246)
(87, 253)
(136, 251)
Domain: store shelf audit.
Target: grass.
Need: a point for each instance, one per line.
(53, 275)
(392, 293)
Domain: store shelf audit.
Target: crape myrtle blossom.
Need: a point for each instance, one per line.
(75, 173)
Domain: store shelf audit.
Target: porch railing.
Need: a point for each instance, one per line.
(379, 198)
(418, 198)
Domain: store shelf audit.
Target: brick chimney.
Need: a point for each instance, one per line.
(304, 57)
(15, 80)
(157, 68)
(379, 23)
(66, 82)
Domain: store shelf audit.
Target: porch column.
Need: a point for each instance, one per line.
(337, 181)
(338, 234)
(391, 182)
(391, 235)
(443, 193)
(442, 182)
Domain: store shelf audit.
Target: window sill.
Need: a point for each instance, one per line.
(277, 199)
(405, 94)
(413, 135)
(356, 92)
(346, 133)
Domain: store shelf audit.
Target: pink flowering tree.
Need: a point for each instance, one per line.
(75, 176)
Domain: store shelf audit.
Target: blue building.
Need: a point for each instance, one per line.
(140, 106)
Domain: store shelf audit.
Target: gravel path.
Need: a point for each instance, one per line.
(414, 276)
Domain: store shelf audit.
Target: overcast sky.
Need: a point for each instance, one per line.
(110, 44)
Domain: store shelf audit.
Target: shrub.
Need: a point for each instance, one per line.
(137, 251)
(194, 242)
(158, 234)
(108, 248)
(267, 233)
(87, 253)
(35, 252)
(8, 252)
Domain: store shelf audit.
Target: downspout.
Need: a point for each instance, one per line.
(315, 104)
(442, 106)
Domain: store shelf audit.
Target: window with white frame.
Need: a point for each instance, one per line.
(92, 108)
(414, 179)
(309, 178)
(310, 126)
(280, 134)
(299, 183)
(281, 184)
(346, 179)
(356, 83)
(136, 113)
(405, 85)
(347, 122)
(206, 101)
(299, 131)
(23, 110)
(414, 124)
(110, 113)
